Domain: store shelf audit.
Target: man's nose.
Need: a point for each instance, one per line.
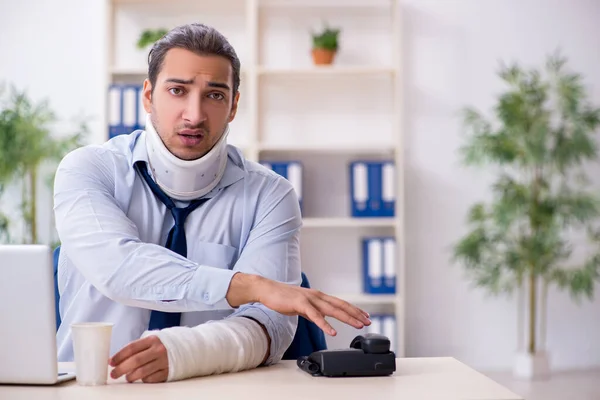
(194, 112)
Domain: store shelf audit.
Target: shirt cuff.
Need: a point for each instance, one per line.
(210, 285)
(281, 328)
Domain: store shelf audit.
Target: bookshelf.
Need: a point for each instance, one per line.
(322, 116)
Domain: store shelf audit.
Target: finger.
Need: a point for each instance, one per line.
(348, 308)
(351, 309)
(132, 348)
(158, 376)
(134, 362)
(315, 316)
(145, 370)
(338, 313)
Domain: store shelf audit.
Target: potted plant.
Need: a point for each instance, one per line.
(325, 45)
(519, 240)
(26, 148)
(149, 36)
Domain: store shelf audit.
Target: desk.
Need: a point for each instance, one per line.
(415, 378)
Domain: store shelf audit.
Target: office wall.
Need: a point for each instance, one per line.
(451, 51)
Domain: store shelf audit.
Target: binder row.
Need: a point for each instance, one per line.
(126, 111)
(372, 185)
(373, 189)
(290, 170)
(384, 324)
(379, 266)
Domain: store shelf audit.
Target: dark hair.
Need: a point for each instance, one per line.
(198, 38)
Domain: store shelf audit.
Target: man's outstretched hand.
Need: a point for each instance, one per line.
(312, 304)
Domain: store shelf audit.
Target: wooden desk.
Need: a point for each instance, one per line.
(415, 378)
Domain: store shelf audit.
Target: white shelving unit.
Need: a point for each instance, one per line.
(324, 116)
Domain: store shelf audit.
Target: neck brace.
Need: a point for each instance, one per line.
(181, 179)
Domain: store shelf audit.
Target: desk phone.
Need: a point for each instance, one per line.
(368, 355)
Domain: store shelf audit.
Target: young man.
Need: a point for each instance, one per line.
(169, 233)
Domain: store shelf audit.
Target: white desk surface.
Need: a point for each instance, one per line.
(415, 378)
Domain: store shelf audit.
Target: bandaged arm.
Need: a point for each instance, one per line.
(215, 347)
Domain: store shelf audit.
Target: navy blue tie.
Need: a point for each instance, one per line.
(175, 241)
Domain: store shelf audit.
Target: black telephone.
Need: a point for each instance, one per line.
(368, 355)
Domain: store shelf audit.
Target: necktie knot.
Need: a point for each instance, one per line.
(179, 215)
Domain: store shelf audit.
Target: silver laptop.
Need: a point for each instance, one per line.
(27, 317)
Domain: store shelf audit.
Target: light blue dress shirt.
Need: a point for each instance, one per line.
(113, 266)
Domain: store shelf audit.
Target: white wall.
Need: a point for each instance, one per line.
(452, 49)
(451, 53)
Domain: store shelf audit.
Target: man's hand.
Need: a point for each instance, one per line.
(144, 359)
(294, 300)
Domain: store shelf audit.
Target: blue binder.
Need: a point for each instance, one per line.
(372, 188)
(379, 266)
(291, 170)
(125, 109)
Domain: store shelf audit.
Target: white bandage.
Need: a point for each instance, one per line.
(215, 347)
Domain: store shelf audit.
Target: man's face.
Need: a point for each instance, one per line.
(192, 102)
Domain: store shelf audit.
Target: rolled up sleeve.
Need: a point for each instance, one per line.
(273, 251)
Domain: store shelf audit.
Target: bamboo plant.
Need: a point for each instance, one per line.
(538, 147)
(26, 147)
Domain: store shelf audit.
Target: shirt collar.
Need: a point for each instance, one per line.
(234, 171)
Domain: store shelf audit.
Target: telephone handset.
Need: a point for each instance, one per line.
(368, 355)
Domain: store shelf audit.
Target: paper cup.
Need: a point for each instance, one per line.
(91, 347)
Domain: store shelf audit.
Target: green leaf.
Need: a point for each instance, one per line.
(150, 36)
(328, 38)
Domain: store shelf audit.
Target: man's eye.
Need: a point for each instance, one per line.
(176, 91)
(216, 96)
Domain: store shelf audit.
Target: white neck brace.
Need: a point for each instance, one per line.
(181, 179)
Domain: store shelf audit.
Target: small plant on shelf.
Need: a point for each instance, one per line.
(325, 45)
(149, 36)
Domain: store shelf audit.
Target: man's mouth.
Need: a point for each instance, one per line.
(194, 133)
(191, 138)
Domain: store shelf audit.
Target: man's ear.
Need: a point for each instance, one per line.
(234, 107)
(147, 95)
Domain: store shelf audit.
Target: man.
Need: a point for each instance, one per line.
(174, 237)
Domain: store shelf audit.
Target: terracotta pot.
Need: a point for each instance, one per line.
(323, 56)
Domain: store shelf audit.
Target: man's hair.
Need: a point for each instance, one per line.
(198, 38)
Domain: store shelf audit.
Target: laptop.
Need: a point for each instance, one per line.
(27, 317)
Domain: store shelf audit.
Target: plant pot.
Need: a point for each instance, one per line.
(531, 366)
(323, 56)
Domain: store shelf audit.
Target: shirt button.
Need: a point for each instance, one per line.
(206, 296)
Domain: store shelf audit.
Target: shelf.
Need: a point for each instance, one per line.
(343, 149)
(368, 299)
(324, 3)
(128, 71)
(348, 222)
(139, 72)
(326, 71)
(211, 4)
(290, 72)
(292, 109)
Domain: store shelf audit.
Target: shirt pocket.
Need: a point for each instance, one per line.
(213, 254)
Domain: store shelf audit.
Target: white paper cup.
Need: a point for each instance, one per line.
(91, 347)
